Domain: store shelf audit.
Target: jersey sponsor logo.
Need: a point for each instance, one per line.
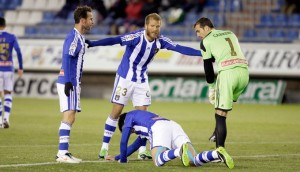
(233, 62)
(128, 37)
(72, 48)
(6, 63)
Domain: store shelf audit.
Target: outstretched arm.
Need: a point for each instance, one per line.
(185, 50)
(104, 42)
(167, 43)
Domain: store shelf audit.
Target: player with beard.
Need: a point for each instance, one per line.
(131, 80)
(69, 79)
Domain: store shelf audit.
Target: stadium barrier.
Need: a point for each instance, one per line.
(37, 85)
(267, 62)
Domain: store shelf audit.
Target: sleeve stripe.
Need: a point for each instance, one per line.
(74, 42)
(168, 40)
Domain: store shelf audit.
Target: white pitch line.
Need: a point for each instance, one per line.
(45, 163)
(266, 156)
(228, 143)
(103, 161)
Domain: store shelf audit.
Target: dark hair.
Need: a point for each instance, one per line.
(2, 22)
(81, 12)
(121, 121)
(204, 22)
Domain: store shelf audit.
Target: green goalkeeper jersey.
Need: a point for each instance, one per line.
(224, 46)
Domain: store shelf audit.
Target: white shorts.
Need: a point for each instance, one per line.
(168, 134)
(6, 81)
(124, 90)
(69, 103)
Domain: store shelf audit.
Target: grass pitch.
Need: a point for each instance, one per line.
(259, 138)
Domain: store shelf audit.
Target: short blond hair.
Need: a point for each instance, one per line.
(154, 16)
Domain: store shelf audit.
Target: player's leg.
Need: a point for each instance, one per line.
(68, 106)
(109, 129)
(224, 98)
(225, 157)
(141, 99)
(1, 93)
(233, 85)
(243, 79)
(1, 119)
(213, 155)
(8, 87)
(162, 155)
(181, 141)
(121, 93)
(161, 143)
(187, 154)
(230, 84)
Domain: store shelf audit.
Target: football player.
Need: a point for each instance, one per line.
(69, 79)
(131, 80)
(167, 141)
(8, 42)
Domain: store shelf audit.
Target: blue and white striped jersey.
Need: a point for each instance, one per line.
(141, 121)
(72, 62)
(140, 52)
(9, 41)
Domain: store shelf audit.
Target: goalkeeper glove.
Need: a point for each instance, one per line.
(211, 93)
(68, 88)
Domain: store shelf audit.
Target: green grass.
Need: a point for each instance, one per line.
(259, 138)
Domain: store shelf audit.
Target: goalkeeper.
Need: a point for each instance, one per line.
(222, 47)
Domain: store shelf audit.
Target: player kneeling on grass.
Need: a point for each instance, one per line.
(167, 140)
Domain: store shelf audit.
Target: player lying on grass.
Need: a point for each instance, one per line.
(167, 141)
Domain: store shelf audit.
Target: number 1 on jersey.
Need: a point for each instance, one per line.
(233, 53)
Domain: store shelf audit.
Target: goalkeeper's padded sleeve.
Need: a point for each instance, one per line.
(209, 71)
